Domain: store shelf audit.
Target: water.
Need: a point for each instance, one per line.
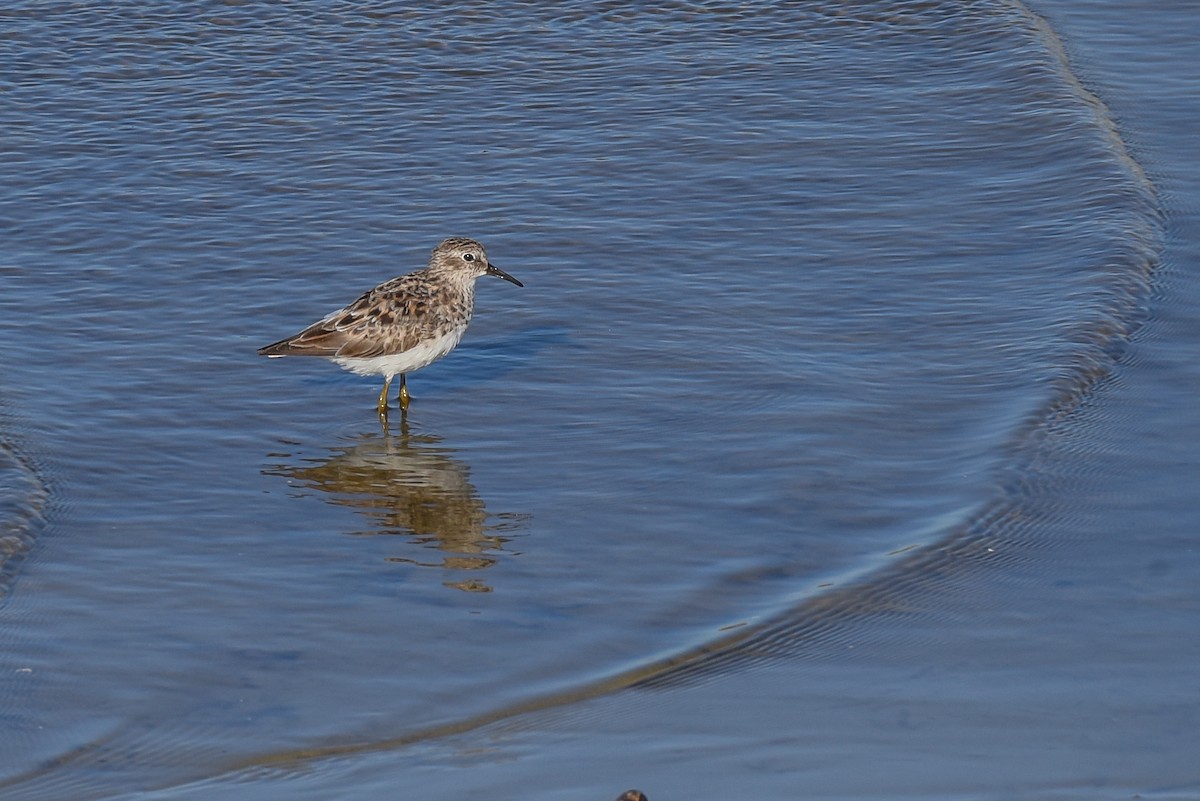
(808, 412)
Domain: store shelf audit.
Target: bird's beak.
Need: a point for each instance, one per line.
(496, 271)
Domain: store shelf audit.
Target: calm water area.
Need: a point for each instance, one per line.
(842, 443)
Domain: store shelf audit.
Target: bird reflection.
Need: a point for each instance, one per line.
(411, 485)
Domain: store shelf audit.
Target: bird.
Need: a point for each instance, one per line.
(403, 324)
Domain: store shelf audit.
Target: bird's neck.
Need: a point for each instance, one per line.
(454, 280)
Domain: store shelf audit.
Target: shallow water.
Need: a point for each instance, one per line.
(811, 297)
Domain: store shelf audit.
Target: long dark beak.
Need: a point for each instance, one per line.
(496, 271)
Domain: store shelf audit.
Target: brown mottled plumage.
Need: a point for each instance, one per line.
(403, 324)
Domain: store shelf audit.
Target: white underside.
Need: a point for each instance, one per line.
(395, 364)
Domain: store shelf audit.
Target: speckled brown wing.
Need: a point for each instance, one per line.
(391, 318)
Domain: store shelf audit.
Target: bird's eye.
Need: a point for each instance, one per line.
(468, 257)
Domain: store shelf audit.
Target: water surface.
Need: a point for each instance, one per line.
(817, 303)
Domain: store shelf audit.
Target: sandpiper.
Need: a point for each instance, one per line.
(403, 324)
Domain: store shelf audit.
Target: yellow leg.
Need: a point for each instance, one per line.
(387, 384)
(404, 396)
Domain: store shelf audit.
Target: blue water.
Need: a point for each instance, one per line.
(852, 353)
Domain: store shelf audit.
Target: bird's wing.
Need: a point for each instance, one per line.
(367, 327)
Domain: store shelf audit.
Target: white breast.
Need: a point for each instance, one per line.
(415, 358)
